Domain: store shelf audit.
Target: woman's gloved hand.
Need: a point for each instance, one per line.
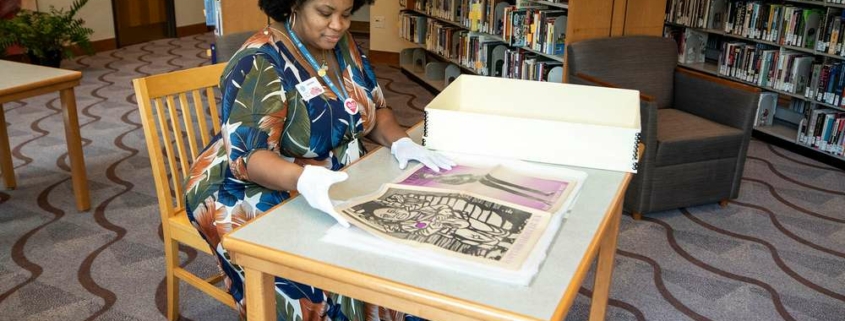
(405, 150)
(314, 184)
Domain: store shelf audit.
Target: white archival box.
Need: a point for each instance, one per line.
(556, 123)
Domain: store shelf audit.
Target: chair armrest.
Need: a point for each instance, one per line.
(726, 102)
(585, 79)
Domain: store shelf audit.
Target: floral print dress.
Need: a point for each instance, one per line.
(262, 110)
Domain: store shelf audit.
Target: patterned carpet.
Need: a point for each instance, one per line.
(776, 253)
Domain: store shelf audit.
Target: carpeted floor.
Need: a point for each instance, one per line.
(776, 253)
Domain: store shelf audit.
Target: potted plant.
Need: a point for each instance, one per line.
(46, 37)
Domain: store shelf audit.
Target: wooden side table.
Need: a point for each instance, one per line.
(25, 81)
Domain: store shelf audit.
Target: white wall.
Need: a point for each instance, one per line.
(98, 14)
(189, 12)
(387, 38)
(29, 4)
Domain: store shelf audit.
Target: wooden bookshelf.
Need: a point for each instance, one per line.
(241, 15)
(784, 133)
(586, 19)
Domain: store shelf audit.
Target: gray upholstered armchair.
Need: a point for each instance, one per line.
(696, 127)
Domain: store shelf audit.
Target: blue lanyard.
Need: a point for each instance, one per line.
(340, 94)
(353, 127)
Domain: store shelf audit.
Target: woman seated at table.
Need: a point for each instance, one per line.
(297, 98)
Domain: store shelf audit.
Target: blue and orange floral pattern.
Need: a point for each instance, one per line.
(262, 110)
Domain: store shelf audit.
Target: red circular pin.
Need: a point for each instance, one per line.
(351, 106)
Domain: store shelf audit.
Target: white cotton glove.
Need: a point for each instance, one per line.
(405, 150)
(314, 185)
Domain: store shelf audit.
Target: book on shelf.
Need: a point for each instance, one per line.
(823, 129)
(491, 218)
(692, 47)
(766, 108)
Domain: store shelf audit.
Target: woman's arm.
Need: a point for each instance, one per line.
(387, 129)
(268, 169)
(252, 152)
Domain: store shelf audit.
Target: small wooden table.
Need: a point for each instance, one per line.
(286, 242)
(23, 81)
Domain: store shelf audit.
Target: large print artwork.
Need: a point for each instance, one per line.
(454, 223)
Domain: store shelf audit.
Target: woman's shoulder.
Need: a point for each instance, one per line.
(268, 43)
(259, 47)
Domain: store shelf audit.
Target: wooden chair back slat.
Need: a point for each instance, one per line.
(177, 127)
(205, 135)
(188, 122)
(178, 137)
(212, 108)
(169, 150)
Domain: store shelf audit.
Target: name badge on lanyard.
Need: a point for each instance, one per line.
(353, 152)
(310, 88)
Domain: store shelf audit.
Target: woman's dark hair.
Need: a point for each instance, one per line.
(279, 10)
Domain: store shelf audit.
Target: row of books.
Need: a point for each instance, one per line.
(450, 10)
(824, 129)
(476, 51)
(775, 68)
(820, 128)
(538, 28)
(768, 66)
(413, 27)
(784, 24)
(475, 15)
(520, 64)
(443, 39)
(831, 37)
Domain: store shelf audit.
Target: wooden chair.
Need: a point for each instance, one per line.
(176, 131)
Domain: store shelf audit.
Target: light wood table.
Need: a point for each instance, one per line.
(286, 242)
(21, 81)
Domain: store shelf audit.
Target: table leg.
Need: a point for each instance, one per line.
(6, 167)
(260, 296)
(604, 268)
(74, 150)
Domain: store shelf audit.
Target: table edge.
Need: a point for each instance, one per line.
(592, 250)
(238, 247)
(72, 76)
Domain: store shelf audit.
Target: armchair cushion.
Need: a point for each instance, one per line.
(686, 138)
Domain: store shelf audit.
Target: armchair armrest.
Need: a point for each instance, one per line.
(585, 79)
(726, 102)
